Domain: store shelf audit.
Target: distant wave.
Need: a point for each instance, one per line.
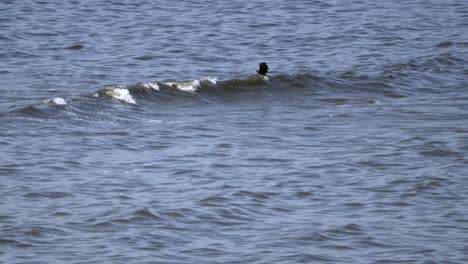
(391, 82)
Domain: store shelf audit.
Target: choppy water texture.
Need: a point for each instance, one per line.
(136, 132)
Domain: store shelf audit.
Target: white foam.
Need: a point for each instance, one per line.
(153, 86)
(190, 86)
(59, 101)
(121, 94)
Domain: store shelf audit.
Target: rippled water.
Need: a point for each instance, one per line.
(137, 132)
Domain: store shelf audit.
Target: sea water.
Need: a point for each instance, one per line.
(137, 132)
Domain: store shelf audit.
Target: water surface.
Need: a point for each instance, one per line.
(137, 132)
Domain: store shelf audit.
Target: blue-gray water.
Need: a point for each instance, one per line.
(136, 131)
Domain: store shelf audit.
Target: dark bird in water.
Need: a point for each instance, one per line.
(263, 69)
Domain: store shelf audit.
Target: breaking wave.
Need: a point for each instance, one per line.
(393, 81)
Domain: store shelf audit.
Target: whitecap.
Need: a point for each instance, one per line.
(59, 101)
(121, 94)
(153, 86)
(190, 86)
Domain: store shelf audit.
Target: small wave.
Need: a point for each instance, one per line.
(211, 90)
(136, 216)
(350, 87)
(51, 195)
(42, 109)
(75, 47)
(124, 94)
(445, 44)
(56, 101)
(444, 61)
(15, 243)
(145, 57)
(447, 59)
